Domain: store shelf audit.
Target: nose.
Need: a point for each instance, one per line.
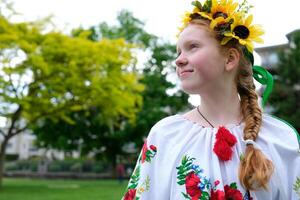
(181, 61)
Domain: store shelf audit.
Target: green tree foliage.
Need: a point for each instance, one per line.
(108, 141)
(285, 97)
(48, 76)
(157, 104)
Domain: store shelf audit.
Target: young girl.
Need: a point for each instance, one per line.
(225, 148)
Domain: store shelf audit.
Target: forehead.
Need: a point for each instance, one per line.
(193, 32)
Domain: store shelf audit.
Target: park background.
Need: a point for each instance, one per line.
(82, 83)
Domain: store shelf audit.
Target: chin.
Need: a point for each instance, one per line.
(190, 88)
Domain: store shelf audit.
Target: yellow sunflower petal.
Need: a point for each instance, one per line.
(258, 40)
(213, 24)
(249, 46)
(248, 20)
(216, 21)
(195, 10)
(205, 15)
(225, 40)
(257, 29)
(242, 42)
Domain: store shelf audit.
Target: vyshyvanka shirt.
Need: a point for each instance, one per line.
(179, 161)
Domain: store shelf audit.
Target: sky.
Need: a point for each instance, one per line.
(161, 17)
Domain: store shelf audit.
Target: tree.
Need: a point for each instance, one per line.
(285, 97)
(156, 102)
(48, 76)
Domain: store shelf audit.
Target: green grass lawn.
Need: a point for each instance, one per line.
(34, 189)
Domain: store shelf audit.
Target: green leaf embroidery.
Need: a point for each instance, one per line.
(297, 186)
(185, 195)
(135, 178)
(204, 196)
(147, 183)
(181, 182)
(233, 185)
(184, 169)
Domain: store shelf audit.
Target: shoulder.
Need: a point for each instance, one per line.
(279, 131)
(168, 122)
(171, 125)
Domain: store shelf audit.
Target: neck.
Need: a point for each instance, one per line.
(221, 108)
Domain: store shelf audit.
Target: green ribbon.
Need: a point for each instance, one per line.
(265, 78)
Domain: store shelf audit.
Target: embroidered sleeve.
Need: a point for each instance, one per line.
(141, 177)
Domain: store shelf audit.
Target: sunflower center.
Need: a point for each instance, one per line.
(220, 14)
(241, 31)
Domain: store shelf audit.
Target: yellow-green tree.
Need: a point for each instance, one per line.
(50, 75)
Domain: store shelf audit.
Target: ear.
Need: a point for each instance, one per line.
(232, 59)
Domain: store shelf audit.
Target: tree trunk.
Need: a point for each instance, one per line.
(114, 165)
(2, 159)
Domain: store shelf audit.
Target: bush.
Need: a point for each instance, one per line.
(54, 167)
(11, 157)
(97, 168)
(77, 167)
(11, 167)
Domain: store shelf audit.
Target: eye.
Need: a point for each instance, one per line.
(178, 54)
(193, 45)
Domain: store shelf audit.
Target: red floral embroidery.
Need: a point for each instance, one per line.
(217, 195)
(148, 154)
(224, 141)
(232, 193)
(130, 195)
(153, 148)
(191, 184)
(144, 151)
(217, 182)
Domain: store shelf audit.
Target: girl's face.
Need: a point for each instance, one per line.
(200, 64)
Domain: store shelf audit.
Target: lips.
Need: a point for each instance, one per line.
(185, 72)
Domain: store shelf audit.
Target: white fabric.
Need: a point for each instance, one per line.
(175, 137)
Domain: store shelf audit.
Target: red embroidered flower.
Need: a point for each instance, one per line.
(216, 182)
(232, 193)
(144, 151)
(153, 148)
(217, 195)
(224, 141)
(223, 150)
(191, 184)
(130, 194)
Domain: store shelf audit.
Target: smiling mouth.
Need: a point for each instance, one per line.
(186, 72)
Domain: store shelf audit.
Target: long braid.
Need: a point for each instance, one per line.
(255, 169)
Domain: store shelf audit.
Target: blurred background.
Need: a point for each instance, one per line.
(83, 82)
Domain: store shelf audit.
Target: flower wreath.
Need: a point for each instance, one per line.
(231, 21)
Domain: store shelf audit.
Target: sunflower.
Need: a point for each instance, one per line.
(242, 30)
(221, 12)
(186, 18)
(224, 8)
